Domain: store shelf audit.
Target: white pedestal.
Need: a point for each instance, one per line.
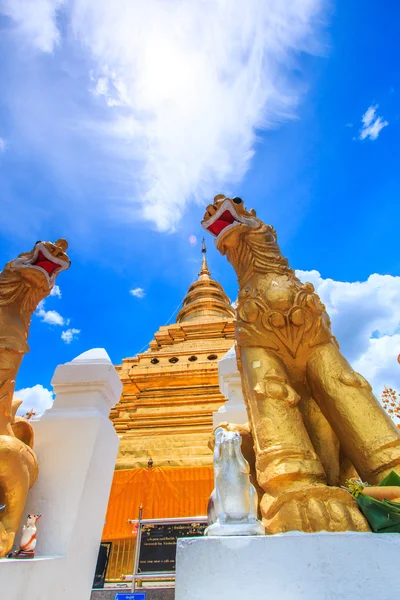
(76, 446)
(291, 566)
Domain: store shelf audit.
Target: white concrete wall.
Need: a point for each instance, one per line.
(292, 566)
(234, 409)
(76, 446)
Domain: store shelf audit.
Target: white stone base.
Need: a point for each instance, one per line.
(35, 578)
(291, 566)
(235, 529)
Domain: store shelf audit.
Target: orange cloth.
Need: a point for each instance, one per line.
(163, 492)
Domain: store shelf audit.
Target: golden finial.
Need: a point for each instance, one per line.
(204, 266)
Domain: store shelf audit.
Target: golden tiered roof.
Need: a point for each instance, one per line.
(205, 299)
(171, 390)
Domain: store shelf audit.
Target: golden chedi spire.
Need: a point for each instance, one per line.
(204, 271)
(205, 299)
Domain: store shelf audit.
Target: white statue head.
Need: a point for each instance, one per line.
(227, 439)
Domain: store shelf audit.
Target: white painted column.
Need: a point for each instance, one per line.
(76, 446)
(234, 409)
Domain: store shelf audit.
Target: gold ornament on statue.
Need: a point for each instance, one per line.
(313, 419)
(24, 282)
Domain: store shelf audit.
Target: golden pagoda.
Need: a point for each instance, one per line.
(171, 391)
(164, 417)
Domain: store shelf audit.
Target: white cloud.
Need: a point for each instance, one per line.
(101, 88)
(380, 362)
(55, 291)
(372, 125)
(138, 292)
(37, 398)
(3, 144)
(70, 335)
(173, 93)
(52, 317)
(35, 21)
(366, 321)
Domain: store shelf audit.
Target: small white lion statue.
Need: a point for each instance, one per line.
(232, 508)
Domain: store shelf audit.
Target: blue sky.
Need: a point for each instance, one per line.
(120, 121)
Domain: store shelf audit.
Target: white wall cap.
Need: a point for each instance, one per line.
(237, 416)
(227, 366)
(231, 353)
(89, 380)
(95, 355)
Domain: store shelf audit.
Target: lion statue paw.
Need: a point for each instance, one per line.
(311, 509)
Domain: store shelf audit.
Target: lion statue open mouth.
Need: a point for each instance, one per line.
(24, 282)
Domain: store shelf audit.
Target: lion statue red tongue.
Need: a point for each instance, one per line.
(223, 221)
(45, 263)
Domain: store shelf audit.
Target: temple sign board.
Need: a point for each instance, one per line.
(158, 544)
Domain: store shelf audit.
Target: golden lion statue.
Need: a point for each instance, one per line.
(312, 418)
(24, 282)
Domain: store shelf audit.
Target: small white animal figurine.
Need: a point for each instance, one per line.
(28, 538)
(232, 508)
